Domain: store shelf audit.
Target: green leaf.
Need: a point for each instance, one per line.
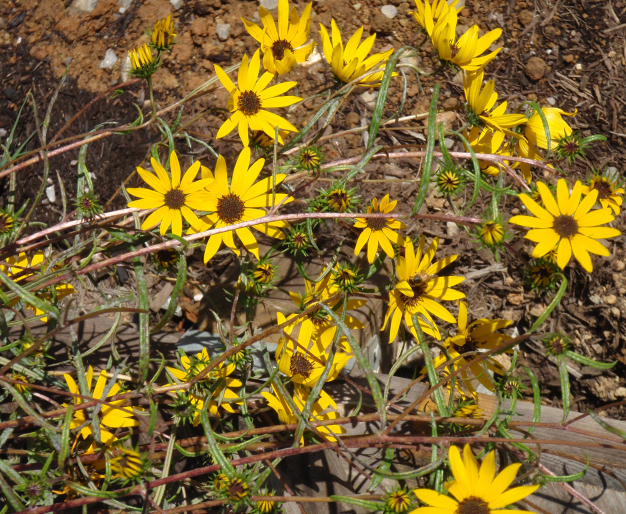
(565, 385)
(586, 361)
(430, 148)
(368, 504)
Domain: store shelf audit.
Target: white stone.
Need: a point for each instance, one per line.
(551, 100)
(19, 40)
(452, 228)
(449, 142)
(269, 4)
(51, 193)
(197, 297)
(109, 59)
(223, 31)
(369, 99)
(176, 4)
(314, 58)
(391, 11)
(356, 7)
(458, 78)
(126, 67)
(84, 5)
(256, 17)
(3, 132)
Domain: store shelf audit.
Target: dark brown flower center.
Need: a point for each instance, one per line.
(237, 489)
(542, 274)
(418, 292)
(376, 223)
(300, 365)
(565, 226)
(174, 199)
(279, 47)
(473, 505)
(230, 208)
(604, 189)
(249, 103)
(454, 49)
(338, 199)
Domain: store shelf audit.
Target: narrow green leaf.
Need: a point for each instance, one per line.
(430, 148)
(586, 361)
(565, 386)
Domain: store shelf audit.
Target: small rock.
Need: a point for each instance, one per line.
(11, 94)
(620, 391)
(223, 31)
(452, 228)
(199, 27)
(525, 17)
(618, 265)
(515, 211)
(578, 67)
(412, 91)
(381, 24)
(465, 12)
(537, 310)
(536, 68)
(314, 58)
(448, 142)
(51, 193)
(125, 69)
(3, 133)
(198, 297)
(595, 299)
(568, 58)
(551, 100)
(356, 7)
(450, 103)
(458, 78)
(369, 99)
(411, 61)
(610, 299)
(353, 119)
(84, 5)
(391, 11)
(612, 54)
(176, 4)
(269, 4)
(109, 59)
(447, 118)
(616, 312)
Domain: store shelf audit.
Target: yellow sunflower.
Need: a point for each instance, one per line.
(379, 231)
(475, 490)
(466, 52)
(609, 194)
(566, 224)
(418, 288)
(283, 47)
(240, 200)
(163, 35)
(428, 15)
(481, 334)
(172, 198)
(536, 133)
(324, 408)
(303, 361)
(352, 62)
(480, 103)
(110, 417)
(488, 141)
(20, 267)
(318, 325)
(220, 374)
(249, 101)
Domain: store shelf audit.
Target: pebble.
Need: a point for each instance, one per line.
(620, 392)
(3, 132)
(353, 119)
(452, 228)
(269, 4)
(458, 78)
(536, 68)
(610, 299)
(551, 100)
(616, 265)
(176, 4)
(569, 58)
(356, 7)
(84, 5)
(391, 11)
(125, 69)
(369, 99)
(109, 59)
(51, 193)
(525, 17)
(223, 31)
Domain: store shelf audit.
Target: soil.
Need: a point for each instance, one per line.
(570, 54)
